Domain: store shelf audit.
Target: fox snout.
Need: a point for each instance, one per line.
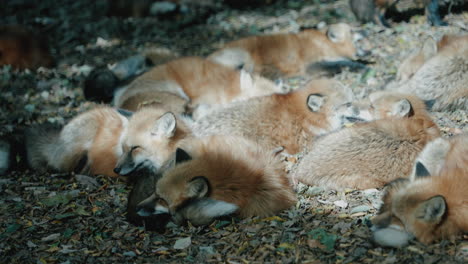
(125, 168)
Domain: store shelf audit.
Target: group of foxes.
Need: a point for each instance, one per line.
(202, 138)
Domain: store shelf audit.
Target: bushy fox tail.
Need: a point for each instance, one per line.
(45, 149)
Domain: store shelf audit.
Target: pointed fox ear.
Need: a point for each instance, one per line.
(332, 36)
(421, 171)
(152, 206)
(429, 48)
(181, 156)
(402, 108)
(246, 80)
(432, 210)
(165, 126)
(198, 187)
(431, 159)
(315, 102)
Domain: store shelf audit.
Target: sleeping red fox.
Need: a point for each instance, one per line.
(194, 81)
(442, 78)
(22, 49)
(283, 120)
(217, 176)
(369, 155)
(433, 203)
(288, 54)
(451, 44)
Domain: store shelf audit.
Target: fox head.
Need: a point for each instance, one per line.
(343, 35)
(385, 104)
(149, 141)
(184, 193)
(409, 209)
(336, 101)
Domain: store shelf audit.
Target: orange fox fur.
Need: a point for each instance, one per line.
(22, 49)
(93, 135)
(231, 170)
(431, 205)
(152, 137)
(282, 120)
(194, 80)
(443, 77)
(290, 54)
(372, 154)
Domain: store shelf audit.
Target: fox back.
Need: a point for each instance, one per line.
(197, 81)
(287, 54)
(224, 174)
(369, 155)
(433, 203)
(282, 120)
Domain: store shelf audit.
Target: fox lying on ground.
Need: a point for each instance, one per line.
(442, 79)
(282, 120)
(23, 49)
(288, 54)
(150, 140)
(192, 80)
(89, 143)
(221, 175)
(369, 155)
(429, 49)
(433, 203)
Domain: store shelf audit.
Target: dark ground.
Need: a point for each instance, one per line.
(66, 218)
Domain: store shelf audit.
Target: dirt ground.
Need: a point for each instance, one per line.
(68, 218)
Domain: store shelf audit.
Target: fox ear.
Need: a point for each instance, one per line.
(431, 159)
(181, 156)
(165, 125)
(198, 187)
(402, 108)
(429, 48)
(421, 171)
(315, 102)
(152, 206)
(332, 36)
(432, 210)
